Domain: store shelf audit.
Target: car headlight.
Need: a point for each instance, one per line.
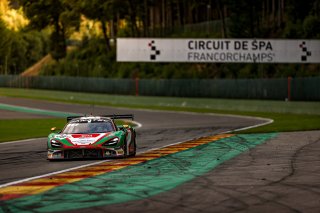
(55, 143)
(113, 141)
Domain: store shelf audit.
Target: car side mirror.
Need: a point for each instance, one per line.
(123, 127)
(54, 129)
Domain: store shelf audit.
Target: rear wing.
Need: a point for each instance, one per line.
(69, 118)
(113, 117)
(126, 116)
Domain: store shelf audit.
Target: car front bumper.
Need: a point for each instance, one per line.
(84, 153)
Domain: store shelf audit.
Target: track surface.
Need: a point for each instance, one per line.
(28, 158)
(280, 175)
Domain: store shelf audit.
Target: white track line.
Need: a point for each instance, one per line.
(52, 173)
(20, 141)
(266, 122)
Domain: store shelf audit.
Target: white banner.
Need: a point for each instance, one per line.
(218, 50)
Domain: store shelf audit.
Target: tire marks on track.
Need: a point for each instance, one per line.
(127, 179)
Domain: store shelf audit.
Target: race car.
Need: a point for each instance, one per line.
(92, 137)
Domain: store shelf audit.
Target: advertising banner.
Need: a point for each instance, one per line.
(218, 50)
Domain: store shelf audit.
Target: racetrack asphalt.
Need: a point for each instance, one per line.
(159, 128)
(280, 175)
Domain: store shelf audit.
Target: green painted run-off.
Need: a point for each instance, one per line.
(35, 111)
(139, 181)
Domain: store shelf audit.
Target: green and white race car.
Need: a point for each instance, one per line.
(92, 137)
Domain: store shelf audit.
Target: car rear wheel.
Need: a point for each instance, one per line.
(124, 150)
(133, 153)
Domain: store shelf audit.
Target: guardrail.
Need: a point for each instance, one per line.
(298, 89)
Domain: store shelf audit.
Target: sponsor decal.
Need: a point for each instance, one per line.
(61, 136)
(85, 139)
(85, 135)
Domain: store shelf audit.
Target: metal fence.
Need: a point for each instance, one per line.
(302, 89)
(79, 84)
(306, 89)
(219, 88)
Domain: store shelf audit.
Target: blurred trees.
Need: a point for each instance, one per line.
(153, 18)
(19, 49)
(160, 18)
(303, 19)
(105, 12)
(4, 47)
(61, 15)
(157, 18)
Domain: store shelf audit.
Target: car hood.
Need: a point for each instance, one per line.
(82, 139)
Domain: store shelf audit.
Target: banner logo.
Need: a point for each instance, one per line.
(154, 51)
(305, 51)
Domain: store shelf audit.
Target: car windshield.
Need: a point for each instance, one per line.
(88, 127)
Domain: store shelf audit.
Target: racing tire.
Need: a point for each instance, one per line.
(134, 149)
(125, 149)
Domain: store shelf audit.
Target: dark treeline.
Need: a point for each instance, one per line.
(95, 56)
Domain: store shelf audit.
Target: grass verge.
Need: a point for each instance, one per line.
(18, 129)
